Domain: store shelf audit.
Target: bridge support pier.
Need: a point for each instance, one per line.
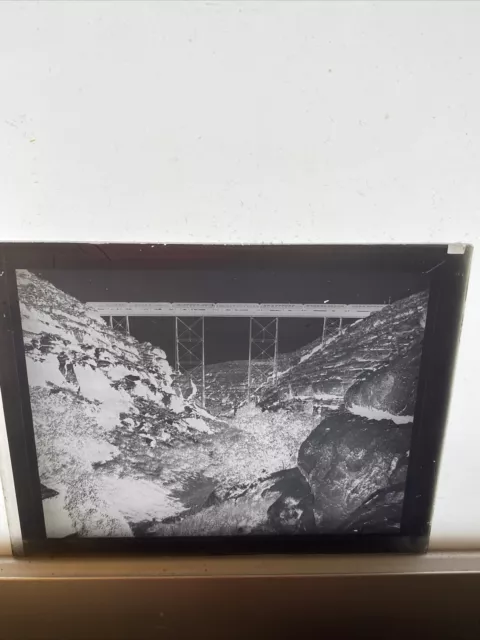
(331, 327)
(190, 352)
(262, 353)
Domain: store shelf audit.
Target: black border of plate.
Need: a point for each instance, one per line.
(448, 276)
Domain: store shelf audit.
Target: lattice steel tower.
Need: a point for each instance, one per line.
(262, 354)
(190, 351)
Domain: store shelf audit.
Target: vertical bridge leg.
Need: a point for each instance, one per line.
(331, 327)
(262, 354)
(190, 352)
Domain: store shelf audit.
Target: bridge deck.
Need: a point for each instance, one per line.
(207, 309)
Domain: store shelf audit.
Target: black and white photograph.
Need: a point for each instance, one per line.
(203, 402)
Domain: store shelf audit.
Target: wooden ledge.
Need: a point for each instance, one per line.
(237, 566)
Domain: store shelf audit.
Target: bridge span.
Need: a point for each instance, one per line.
(263, 333)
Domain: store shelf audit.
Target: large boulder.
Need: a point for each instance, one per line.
(347, 458)
(392, 390)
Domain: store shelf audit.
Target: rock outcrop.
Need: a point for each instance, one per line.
(389, 390)
(347, 459)
(104, 414)
(322, 373)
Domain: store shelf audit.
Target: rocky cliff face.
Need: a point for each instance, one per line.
(323, 373)
(391, 390)
(104, 415)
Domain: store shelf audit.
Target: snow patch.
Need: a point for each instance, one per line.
(327, 396)
(205, 414)
(198, 424)
(378, 414)
(193, 392)
(58, 523)
(94, 450)
(308, 355)
(36, 321)
(317, 348)
(143, 391)
(95, 386)
(177, 404)
(42, 373)
(118, 371)
(152, 500)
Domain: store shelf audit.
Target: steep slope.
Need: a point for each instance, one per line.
(105, 416)
(390, 391)
(322, 373)
(319, 374)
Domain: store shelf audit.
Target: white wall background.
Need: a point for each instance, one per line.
(254, 122)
